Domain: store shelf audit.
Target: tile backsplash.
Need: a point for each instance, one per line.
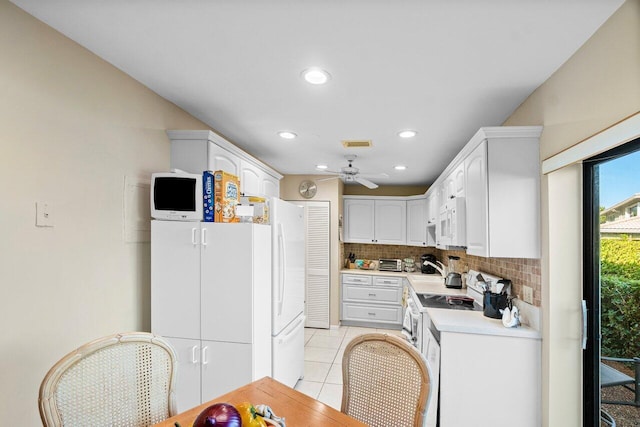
(521, 271)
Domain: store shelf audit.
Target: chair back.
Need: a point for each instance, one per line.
(125, 379)
(385, 381)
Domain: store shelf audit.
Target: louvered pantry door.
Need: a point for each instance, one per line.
(317, 261)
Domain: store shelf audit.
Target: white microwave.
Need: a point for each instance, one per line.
(176, 196)
(452, 230)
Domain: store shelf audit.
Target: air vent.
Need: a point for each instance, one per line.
(356, 143)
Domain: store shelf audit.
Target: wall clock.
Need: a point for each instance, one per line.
(308, 189)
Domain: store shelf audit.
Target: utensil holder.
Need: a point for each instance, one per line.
(492, 304)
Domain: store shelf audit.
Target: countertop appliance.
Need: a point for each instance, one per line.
(288, 270)
(390, 265)
(427, 269)
(453, 280)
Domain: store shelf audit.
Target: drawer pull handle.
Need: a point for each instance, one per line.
(371, 314)
(372, 295)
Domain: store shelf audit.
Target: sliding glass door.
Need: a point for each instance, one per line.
(612, 287)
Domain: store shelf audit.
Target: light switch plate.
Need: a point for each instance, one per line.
(44, 214)
(527, 296)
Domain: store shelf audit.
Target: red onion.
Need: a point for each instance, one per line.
(219, 415)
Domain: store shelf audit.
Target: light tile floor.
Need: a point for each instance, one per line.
(323, 350)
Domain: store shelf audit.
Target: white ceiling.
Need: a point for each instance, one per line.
(441, 67)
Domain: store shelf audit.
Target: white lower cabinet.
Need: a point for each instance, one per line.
(207, 369)
(373, 301)
(496, 379)
(188, 372)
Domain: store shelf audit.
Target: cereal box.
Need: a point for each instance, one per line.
(207, 196)
(227, 196)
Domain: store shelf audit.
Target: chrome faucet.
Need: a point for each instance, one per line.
(442, 269)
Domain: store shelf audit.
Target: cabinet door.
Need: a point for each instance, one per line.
(476, 201)
(225, 366)
(358, 221)
(417, 222)
(221, 159)
(270, 186)
(227, 282)
(251, 179)
(188, 372)
(175, 278)
(390, 221)
(458, 181)
(432, 208)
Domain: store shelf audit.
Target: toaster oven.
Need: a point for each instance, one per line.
(390, 265)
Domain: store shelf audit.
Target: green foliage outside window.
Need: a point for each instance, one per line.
(620, 297)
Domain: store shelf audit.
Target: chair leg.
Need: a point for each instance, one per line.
(607, 419)
(636, 361)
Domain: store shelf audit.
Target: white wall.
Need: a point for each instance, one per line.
(71, 128)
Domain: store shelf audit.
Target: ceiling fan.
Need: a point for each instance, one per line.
(352, 174)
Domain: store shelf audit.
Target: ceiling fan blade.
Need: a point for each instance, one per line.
(328, 179)
(374, 175)
(366, 182)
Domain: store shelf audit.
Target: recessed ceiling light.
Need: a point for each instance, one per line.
(400, 167)
(322, 167)
(316, 76)
(286, 134)
(407, 133)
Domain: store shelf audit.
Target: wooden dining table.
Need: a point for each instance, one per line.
(298, 409)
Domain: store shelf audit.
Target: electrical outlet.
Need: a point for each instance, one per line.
(527, 296)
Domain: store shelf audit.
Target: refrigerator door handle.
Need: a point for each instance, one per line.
(292, 331)
(282, 267)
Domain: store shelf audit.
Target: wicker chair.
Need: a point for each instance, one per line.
(385, 381)
(125, 380)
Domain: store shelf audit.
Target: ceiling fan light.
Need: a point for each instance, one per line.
(287, 134)
(316, 76)
(400, 167)
(408, 133)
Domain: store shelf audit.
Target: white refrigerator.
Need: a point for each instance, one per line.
(287, 295)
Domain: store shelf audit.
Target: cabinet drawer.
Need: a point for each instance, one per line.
(371, 293)
(385, 314)
(356, 279)
(387, 281)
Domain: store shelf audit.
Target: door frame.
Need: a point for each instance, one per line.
(591, 274)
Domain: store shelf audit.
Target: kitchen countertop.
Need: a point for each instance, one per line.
(471, 322)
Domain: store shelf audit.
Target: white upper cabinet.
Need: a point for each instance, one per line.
(477, 225)
(417, 212)
(379, 220)
(390, 222)
(503, 195)
(195, 151)
(458, 181)
(497, 178)
(251, 179)
(359, 220)
(221, 159)
(454, 183)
